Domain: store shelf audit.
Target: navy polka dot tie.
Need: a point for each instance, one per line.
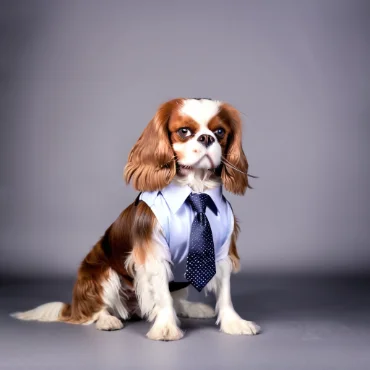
(200, 264)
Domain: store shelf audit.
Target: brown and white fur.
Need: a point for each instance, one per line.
(191, 141)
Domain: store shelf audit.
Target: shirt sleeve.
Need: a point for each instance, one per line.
(224, 250)
(158, 206)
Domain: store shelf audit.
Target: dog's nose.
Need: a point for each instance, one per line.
(206, 140)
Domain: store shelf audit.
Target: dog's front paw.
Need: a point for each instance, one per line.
(233, 324)
(165, 332)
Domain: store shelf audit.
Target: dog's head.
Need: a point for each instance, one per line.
(185, 135)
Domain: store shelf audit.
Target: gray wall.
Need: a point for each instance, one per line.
(81, 79)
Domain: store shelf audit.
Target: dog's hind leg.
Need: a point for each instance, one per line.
(185, 308)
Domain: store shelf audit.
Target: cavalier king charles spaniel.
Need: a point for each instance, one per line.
(139, 267)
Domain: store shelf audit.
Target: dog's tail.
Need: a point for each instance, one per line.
(48, 312)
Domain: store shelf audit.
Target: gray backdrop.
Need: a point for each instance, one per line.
(81, 79)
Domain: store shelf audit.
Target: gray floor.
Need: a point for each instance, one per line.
(308, 323)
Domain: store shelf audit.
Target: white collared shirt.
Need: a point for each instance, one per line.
(175, 216)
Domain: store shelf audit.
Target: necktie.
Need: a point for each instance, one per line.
(200, 264)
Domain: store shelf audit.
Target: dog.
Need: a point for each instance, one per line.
(191, 145)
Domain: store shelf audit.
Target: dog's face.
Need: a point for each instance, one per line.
(198, 135)
(185, 135)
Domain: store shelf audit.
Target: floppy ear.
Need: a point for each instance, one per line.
(151, 163)
(233, 180)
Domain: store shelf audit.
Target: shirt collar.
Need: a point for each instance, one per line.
(175, 195)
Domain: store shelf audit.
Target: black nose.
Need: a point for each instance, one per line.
(206, 140)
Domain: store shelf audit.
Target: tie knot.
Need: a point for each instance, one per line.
(199, 202)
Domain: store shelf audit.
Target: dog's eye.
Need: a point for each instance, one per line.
(220, 132)
(184, 132)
